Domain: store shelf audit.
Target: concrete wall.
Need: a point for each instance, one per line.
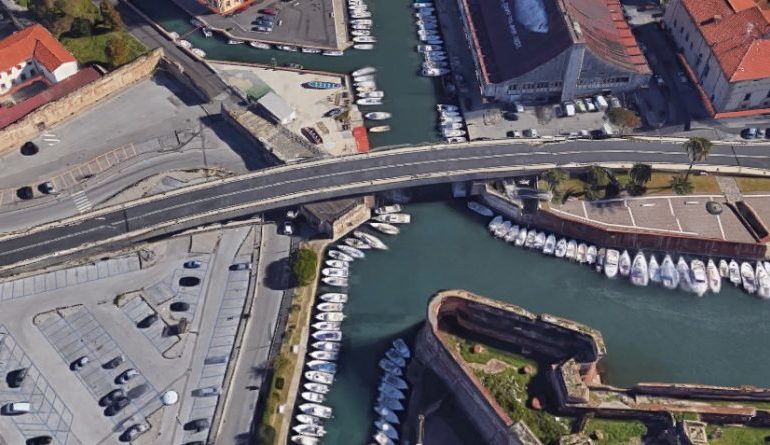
(50, 114)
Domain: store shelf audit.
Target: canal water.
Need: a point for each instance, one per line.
(411, 99)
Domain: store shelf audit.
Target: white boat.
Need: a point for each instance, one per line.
(198, 53)
(363, 46)
(571, 250)
(361, 26)
(310, 396)
(388, 366)
(512, 233)
(550, 245)
(330, 307)
(326, 326)
(322, 365)
(591, 255)
(748, 275)
(357, 243)
(450, 126)
(320, 388)
(391, 404)
(327, 346)
(306, 418)
(624, 264)
(396, 382)
(328, 335)
(456, 139)
(386, 429)
(364, 39)
(310, 50)
(384, 210)
(340, 256)
(395, 357)
(369, 101)
(360, 32)
(364, 71)
(480, 208)
(338, 264)
(381, 439)
(529, 242)
(714, 277)
(402, 348)
(206, 32)
(370, 240)
(351, 251)
(235, 42)
(259, 45)
(724, 269)
(319, 377)
(184, 43)
(418, 5)
(335, 281)
(314, 409)
(364, 78)
(685, 279)
(447, 107)
(329, 316)
(502, 229)
(640, 274)
(520, 238)
(734, 273)
(581, 253)
(386, 413)
(377, 116)
(669, 276)
(600, 254)
(361, 13)
(301, 439)
(452, 133)
(310, 430)
(365, 21)
(654, 269)
(496, 222)
(611, 259)
(561, 248)
(390, 391)
(288, 48)
(447, 114)
(700, 282)
(325, 355)
(762, 281)
(332, 52)
(376, 94)
(385, 228)
(397, 218)
(334, 272)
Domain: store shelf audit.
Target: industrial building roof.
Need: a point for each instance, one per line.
(513, 37)
(33, 42)
(736, 33)
(278, 107)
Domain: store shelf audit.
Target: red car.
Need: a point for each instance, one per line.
(269, 11)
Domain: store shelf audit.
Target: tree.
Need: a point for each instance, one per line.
(304, 263)
(117, 51)
(624, 118)
(640, 174)
(81, 27)
(597, 176)
(589, 193)
(681, 185)
(110, 16)
(554, 177)
(697, 149)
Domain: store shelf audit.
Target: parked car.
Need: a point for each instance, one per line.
(569, 108)
(135, 431)
(580, 105)
(513, 134)
(16, 377)
(113, 363)
(601, 102)
(192, 264)
(79, 363)
(40, 440)
(510, 116)
(531, 133)
(615, 102)
(25, 192)
(111, 397)
(517, 107)
(590, 104)
(189, 281)
(288, 228)
(116, 406)
(767, 133)
(48, 188)
(17, 408)
(198, 425)
(137, 391)
(126, 375)
(29, 149)
(240, 266)
(207, 391)
(179, 306)
(148, 321)
(749, 133)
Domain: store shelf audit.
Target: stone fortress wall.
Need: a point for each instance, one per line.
(30, 126)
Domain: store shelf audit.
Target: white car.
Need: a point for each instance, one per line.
(288, 228)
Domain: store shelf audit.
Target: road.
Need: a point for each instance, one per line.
(312, 181)
(241, 400)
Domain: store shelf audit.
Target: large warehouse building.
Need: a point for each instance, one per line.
(726, 45)
(539, 51)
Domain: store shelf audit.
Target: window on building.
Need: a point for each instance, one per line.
(23, 77)
(747, 96)
(681, 29)
(712, 98)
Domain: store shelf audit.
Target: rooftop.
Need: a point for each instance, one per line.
(33, 42)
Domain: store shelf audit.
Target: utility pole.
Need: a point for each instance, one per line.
(420, 429)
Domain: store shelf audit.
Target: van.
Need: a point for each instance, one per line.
(18, 407)
(601, 102)
(569, 108)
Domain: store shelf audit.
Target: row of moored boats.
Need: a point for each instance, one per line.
(365, 84)
(361, 25)
(435, 60)
(696, 276)
(451, 124)
(390, 393)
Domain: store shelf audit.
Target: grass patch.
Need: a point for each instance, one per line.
(90, 49)
(511, 389)
(736, 435)
(660, 184)
(749, 185)
(615, 432)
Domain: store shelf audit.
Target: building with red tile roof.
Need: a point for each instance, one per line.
(546, 50)
(33, 53)
(224, 7)
(726, 45)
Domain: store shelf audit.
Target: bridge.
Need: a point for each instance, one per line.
(119, 226)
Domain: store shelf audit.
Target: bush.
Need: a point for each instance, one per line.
(636, 189)
(681, 185)
(304, 263)
(81, 27)
(117, 51)
(279, 382)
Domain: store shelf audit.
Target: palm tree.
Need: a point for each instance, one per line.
(640, 174)
(597, 176)
(697, 149)
(554, 177)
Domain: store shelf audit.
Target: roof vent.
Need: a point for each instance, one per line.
(716, 18)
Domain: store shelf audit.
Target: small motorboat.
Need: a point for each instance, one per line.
(364, 39)
(386, 413)
(360, 32)
(330, 316)
(314, 397)
(385, 228)
(379, 129)
(326, 326)
(653, 269)
(640, 274)
(734, 273)
(206, 32)
(391, 391)
(335, 281)
(306, 418)
(384, 210)
(391, 404)
(395, 357)
(318, 85)
(357, 243)
(550, 244)
(600, 254)
(334, 297)
(327, 346)
(307, 429)
(452, 133)
(581, 253)
(301, 439)
(369, 101)
(288, 48)
(611, 260)
(429, 48)
(259, 45)
(685, 279)
(762, 281)
(591, 255)
(447, 107)
(330, 307)
(322, 365)
(496, 222)
(386, 428)
(388, 366)
(381, 439)
(337, 264)
(364, 71)
(396, 382)
(363, 46)
(369, 239)
(699, 278)
(724, 269)
(320, 388)
(395, 218)
(376, 94)
(539, 241)
(561, 248)
(624, 264)
(501, 230)
(328, 335)
(319, 377)
(377, 115)
(334, 272)
(748, 275)
(480, 208)
(571, 250)
(365, 78)
(315, 409)
(310, 50)
(351, 251)
(198, 53)
(669, 276)
(521, 238)
(402, 348)
(332, 52)
(714, 277)
(184, 43)
(235, 42)
(512, 233)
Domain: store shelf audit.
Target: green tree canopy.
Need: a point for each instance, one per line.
(697, 149)
(554, 177)
(110, 16)
(597, 176)
(640, 174)
(304, 264)
(624, 119)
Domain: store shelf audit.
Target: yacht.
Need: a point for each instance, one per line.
(571, 250)
(685, 279)
(561, 248)
(337, 264)
(591, 255)
(654, 269)
(700, 282)
(550, 244)
(386, 413)
(351, 251)
(529, 242)
(402, 347)
(369, 101)
(381, 438)
(328, 335)
(327, 346)
(385, 228)
(198, 53)
(360, 32)
(391, 404)
(724, 269)
(320, 388)
(714, 277)
(315, 409)
(310, 430)
(640, 275)
(301, 439)
(322, 365)
(377, 115)
(306, 418)
(330, 316)
(512, 233)
(393, 208)
(581, 253)
(749, 278)
(370, 240)
(734, 273)
(624, 264)
(364, 71)
(521, 237)
(325, 355)
(762, 281)
(399, 218)
(539, 241)
(326, 326)
(496, 222)
(334, 272)
(319, 377)
(337, 255)
(447, 107)
(335, 281)
(357, 243)
(386, 429)
(330, 307)
(611, 263)
(314, 397)
(456, 139)
(669, 276)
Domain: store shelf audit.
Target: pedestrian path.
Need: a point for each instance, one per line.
(730, 188)
(82, 203)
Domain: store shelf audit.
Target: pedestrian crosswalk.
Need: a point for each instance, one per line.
(51, 139)
(82, 203)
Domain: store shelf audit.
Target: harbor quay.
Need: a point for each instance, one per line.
(461, 325)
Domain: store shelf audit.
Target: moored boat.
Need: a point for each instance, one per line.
(328, 335)
(330, 316)
(624, 264)
(685, 279)
(377, 115)
(699, 278)
(388, 366)
(379, 129)
(571, 250)
(480, 208)
(335, 281)
(363, 46)
(259, 45)
(580, 256)
(503, 228)
(385, 228)
(402, 347)
(591, 255)
(326, 326)
(357, 243)
(395, 357)
(512, 233)
(332, 52)
(762, 281)
(384, 210)
(520, 238)
(600, 255)
(639, 272)
(334, 272)
(301, 439)
(338, 264)
(330, 307)
(308, 429)
(369, 239)
(561, 248)
(325, 355)
(310, 396)
(724, 269)
(748, 275)
(351, 251)
(364, 71)
(322, 365)
(369, 101)
(550, 244)
(654, 269)
(396, 382)
(327, 346)
(320, 388)
(669, 276)
(319, 377)
(390, 391)
(539, 241)
(611, 260)
(714, 277)
(306, 418)
(386, 413)
(391, 404)
(395, 218)
(734, 273)
(386, 429)
(315, 409)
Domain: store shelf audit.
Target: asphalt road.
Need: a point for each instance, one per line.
(280, 186)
